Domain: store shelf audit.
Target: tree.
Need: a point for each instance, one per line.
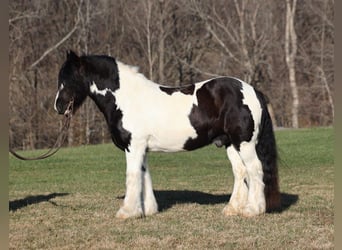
(290, 56)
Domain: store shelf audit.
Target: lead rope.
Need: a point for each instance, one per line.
(60, 139)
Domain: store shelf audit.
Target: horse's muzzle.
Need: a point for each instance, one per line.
(59, 107)
(63, 109)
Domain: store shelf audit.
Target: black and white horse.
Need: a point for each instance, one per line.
(143, 116)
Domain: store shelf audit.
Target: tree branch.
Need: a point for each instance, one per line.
(66, 37)
(195, 68)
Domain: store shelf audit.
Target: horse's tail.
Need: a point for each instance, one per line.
(267, 153)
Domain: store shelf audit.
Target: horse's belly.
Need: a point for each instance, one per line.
(170, 140)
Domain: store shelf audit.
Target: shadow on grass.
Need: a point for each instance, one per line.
(34, 199)
(287, 200)
(168, 198)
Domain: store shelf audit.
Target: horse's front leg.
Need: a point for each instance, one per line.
(133, 202)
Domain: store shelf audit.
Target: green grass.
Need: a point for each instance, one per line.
(69, 201)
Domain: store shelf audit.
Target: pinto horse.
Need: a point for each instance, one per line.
(143, 116)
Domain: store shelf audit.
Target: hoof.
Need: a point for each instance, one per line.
(230, 211)
(151, 210)
(151, 206)
(249, 211)
(125, 214)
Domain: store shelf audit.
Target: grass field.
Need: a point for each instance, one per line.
(69, 201)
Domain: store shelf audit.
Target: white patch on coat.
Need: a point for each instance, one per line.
(251, 100)
(95, 90)
(57, 95)
(159, 118)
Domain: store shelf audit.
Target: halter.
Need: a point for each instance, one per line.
(60, 139)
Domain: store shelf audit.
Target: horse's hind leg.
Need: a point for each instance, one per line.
(150, 204)
(239, 195)
(256, 203)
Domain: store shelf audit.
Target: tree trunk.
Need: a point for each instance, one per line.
(148, 37)
(290, 54)
(327, 89)
(84, 37)
(248, 68)
(320, 68)
(161, 47)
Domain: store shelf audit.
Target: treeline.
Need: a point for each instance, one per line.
(284, 48)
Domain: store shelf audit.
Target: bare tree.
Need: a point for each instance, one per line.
(290, 56)
(320, 68)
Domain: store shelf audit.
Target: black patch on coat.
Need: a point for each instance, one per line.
(186, 90)
(220, 116)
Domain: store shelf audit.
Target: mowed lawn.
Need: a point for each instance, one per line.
(69, 201)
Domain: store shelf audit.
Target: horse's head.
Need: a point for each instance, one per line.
(71, 85)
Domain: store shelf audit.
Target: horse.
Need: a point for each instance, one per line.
(143, 116)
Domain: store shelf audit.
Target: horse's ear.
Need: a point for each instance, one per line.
(73, 58)
(71, 55)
